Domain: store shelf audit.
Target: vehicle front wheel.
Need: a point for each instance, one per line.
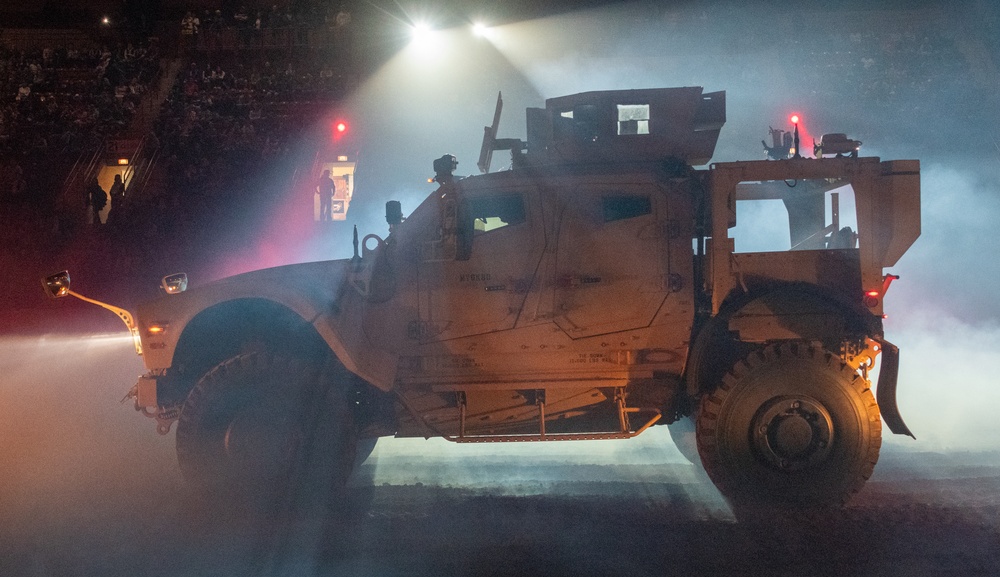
(256, 421)
(792, 426)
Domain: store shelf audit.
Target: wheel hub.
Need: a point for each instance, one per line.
(792, 432)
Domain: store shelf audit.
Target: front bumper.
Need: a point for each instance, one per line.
(145, 392)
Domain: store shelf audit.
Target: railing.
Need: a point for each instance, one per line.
(84, 167)
(141, 154)
(144, 166)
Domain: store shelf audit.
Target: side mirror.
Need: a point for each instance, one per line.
(175, 283)
(56, 285)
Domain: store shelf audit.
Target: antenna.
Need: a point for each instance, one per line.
(356, 258)
(489, 138)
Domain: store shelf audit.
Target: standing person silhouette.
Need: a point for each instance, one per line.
(325, 188)
(117, 194)
(96, 200)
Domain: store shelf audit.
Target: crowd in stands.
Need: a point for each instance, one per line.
(315, 23)
(226, 124)
(56, 102)
(232, 116)
(57, 99)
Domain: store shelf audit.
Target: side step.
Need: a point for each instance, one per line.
(624, 431)
(536, 438)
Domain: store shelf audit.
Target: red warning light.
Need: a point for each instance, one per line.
(871, 298)
(340, 128)
(794, 119)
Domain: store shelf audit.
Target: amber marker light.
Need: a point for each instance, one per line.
(156, 329)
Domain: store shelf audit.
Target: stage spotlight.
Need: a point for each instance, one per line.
(422, 33)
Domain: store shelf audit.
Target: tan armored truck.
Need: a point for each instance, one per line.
(599, 286)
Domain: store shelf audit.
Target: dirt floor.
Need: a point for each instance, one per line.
(898, 525)
(88, 488)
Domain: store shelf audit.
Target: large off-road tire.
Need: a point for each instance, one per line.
(791, 427)
(258, 424)
(682, 433)
(363, 450)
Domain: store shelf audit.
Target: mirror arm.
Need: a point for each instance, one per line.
(123, 314)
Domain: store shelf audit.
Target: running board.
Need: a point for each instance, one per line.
(558, 437)
(624, 428)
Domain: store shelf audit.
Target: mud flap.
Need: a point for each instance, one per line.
(885, 393)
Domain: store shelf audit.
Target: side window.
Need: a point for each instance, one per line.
(481, 215)
(633, 119)
(493, 212)
(809, 214)
(622, 206)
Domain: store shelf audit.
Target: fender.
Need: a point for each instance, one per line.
(800, 312)
(789, 311)
(311, 292)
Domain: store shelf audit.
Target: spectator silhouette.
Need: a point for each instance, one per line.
(96, 200)
(325, 188)
(117, 194)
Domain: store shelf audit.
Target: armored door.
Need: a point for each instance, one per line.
(484, 290)
(612, 268)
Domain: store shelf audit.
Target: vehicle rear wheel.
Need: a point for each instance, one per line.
(682, 432)
(364, 449)
(252, 423)
(792, 426)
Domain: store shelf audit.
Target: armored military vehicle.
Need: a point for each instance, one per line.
(600, 285)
